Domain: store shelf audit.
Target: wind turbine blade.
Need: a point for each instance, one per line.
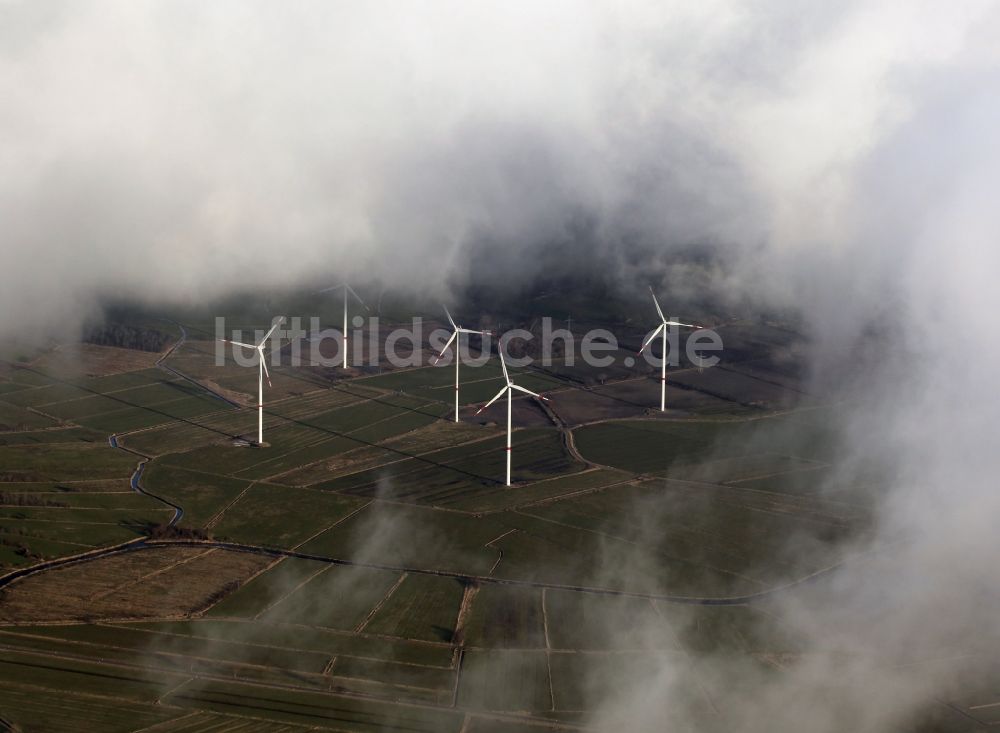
(499, 395)
(240, 343)
(263, 363)
(652, 336)
(351, 290)
(528, 391)
(450, 319)
(678, 323)
(268, 334)
(503, 364)
(657, 304)
(473, 331)
(453, 337)
(327, 290)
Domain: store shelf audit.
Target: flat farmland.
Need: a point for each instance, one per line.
(188, 722)
(28, 537)
(220, 428)
(158, 582)
(268, 588)
(260, 515)
(64, 434)
(477, 383)
(48, 391)
(771, 444)
(733, 386)
(647, 446)
(705, 539)
(454, 475)
(583, 681)
(553, 552)
(421, 607)
(87, 677)
(439, 599)
(335, 597)
(505, 680)
(121, 401)
(147, 647)
(203, 495)
(732, 630)
(56, 707)
(411, 536)
(422, 441)
(18, 418)
(506, 497)
(320, 710)
(486, 723)
(635, 398)
(295, 442)
(63, 462)
(296, 637)
(526, 411)
(429, 683)
(504, 617)
(97, 362)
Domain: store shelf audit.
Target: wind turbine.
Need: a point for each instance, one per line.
(347, 289)
(261, 373)
(455, 337)
(663, 365)
(509, 390)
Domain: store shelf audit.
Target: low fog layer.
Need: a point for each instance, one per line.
(172, 150)
(844, 155)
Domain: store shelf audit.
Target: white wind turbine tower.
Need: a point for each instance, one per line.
(262, 372)
(509, 390)
(662, 328)
(347, 290)
(456, 338)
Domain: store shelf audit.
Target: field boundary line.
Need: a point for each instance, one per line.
(344, 518)
(422, 458)
(175, 688)
(687, 654)
(348, 435)
(405, 457)
(154, 726)
(214, 520)
(606, 535)
(569, 495)
(371, 614)
(741, 600)
(380, 445)
(142, 578)
(548, 649)
(131, 624)
(136, 664)
(459, 663)
(298, 586)
(32, 687)
(201, 613)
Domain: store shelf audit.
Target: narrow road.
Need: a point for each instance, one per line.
(161, 363)
(148, 544)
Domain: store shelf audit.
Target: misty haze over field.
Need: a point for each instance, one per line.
(839, 160)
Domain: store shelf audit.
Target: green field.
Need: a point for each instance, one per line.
(435, 598)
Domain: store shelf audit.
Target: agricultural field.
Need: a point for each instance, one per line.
(368, 570)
